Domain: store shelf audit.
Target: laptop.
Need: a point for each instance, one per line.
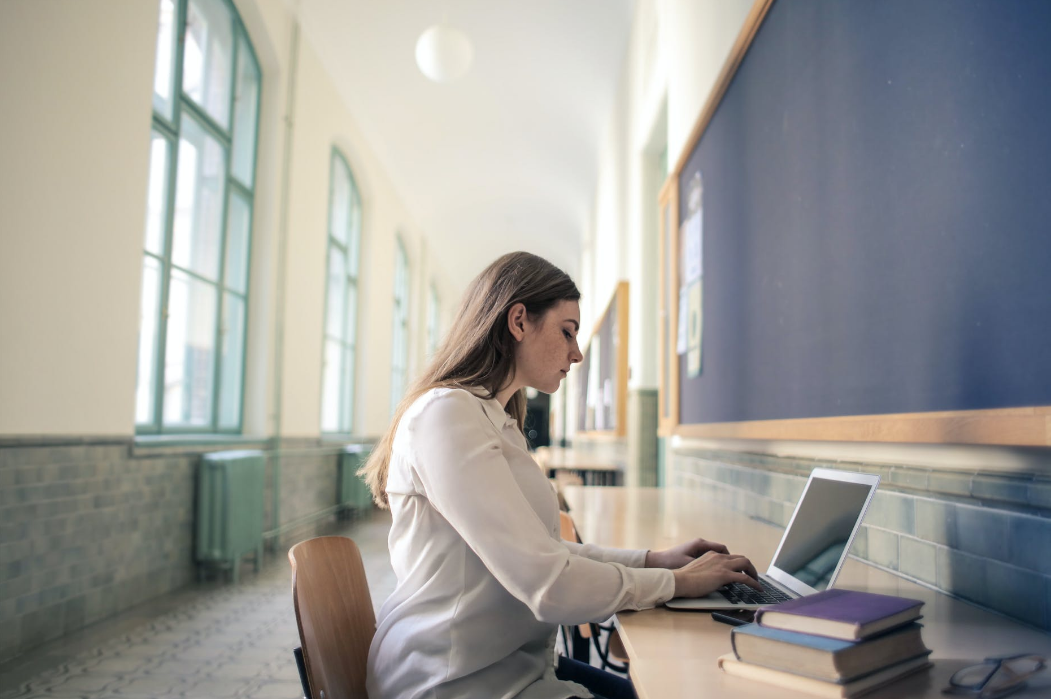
(812, 549)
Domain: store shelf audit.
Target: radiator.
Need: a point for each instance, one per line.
(230, 488)
(354, 496)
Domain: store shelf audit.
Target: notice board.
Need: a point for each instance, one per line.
(873, 181)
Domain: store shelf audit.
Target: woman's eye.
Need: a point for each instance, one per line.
(566, 333)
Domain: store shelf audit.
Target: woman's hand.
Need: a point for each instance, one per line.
(706, 574)
(682, 554)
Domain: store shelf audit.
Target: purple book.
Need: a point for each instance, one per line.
(846, 614)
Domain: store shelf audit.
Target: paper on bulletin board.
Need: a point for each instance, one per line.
(681, 342)
(693, 248)
(693, 356)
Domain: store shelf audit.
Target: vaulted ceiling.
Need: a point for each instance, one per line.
(505, 158)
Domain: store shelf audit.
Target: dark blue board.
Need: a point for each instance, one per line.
(877, 214)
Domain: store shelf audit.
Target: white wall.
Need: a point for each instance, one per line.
(74, 152)
(75, 121)
(675, 54)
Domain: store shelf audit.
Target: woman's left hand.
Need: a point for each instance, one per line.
(678, 556)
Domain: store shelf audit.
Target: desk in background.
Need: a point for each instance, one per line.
(673, 654)
(582, 468)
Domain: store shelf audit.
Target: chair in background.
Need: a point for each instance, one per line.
(335, 616)
(606, 638)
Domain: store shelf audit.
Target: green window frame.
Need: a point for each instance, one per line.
(339, 355)
(197, 243)
(400, 344)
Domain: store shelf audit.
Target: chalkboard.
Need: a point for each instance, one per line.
(602, 382)
(876, 206)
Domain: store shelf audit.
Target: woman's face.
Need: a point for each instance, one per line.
(549, 347)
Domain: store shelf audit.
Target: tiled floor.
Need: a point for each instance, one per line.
(208, 642)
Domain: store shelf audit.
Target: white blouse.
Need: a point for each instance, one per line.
(484, 579)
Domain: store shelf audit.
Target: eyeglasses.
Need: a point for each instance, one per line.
(995, 677)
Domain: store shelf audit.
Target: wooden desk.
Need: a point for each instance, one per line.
(591, 470)
(673, 654)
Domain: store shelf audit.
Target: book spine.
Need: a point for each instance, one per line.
(733, 643)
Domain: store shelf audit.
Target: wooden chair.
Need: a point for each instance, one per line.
(612, 653)
(334, 613)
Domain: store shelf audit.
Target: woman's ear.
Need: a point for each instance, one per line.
(516, 318)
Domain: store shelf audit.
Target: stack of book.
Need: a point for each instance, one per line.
(836, 643)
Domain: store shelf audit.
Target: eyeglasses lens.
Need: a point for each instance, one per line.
(1012, 672)
(974, 676)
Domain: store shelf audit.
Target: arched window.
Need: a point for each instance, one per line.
(341, 299)
(400, 345)
(199, 221)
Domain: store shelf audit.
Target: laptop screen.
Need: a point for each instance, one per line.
(816, 540)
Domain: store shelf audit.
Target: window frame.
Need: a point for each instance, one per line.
(170, 129)
(352, 278)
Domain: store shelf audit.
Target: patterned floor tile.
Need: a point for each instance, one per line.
(230, 642)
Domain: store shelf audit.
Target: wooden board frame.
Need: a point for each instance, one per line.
(667, 275)
(1024, 426)
(622, 298)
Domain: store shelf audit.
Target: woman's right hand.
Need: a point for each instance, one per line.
(706, 574)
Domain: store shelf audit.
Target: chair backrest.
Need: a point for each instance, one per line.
(334, 613)
(567, 528)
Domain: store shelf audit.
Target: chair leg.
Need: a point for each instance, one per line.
(581, 647)
(298, 653)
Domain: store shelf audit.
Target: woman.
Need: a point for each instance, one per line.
(484, 579)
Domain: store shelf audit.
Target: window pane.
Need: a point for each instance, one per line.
(232, 338)
(148, 326)
(238, 225)
(189, 361)
(199, 187)
(157, 194)
(348, 390)
(350, 332)
(246, 100)
(339, 215)
(208, 57)
(355, 234)
(337, 285)
(164, 66)
(330, 387)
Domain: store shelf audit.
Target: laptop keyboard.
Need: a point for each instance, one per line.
(739, 593)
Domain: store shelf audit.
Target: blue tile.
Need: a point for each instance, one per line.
(860, 546)
(1001, 489)
(1031, 543)
(936, 521)
(1040, 493)
(951, 483)
(883, 548)
(909, 477)
(983, 532)
(962, 575)
(1010, 590)
(893, 511)
(918, 559)
(1047, 602)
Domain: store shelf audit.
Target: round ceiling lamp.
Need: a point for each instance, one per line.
(443, 54)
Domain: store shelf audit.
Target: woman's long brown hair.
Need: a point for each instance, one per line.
(479, 351)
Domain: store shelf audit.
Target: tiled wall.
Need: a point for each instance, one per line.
(984, 537)
(89, 528)
(641, 465)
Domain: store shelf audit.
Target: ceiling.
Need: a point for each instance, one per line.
(506, 158)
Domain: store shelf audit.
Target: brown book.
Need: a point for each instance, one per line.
(732, 666)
